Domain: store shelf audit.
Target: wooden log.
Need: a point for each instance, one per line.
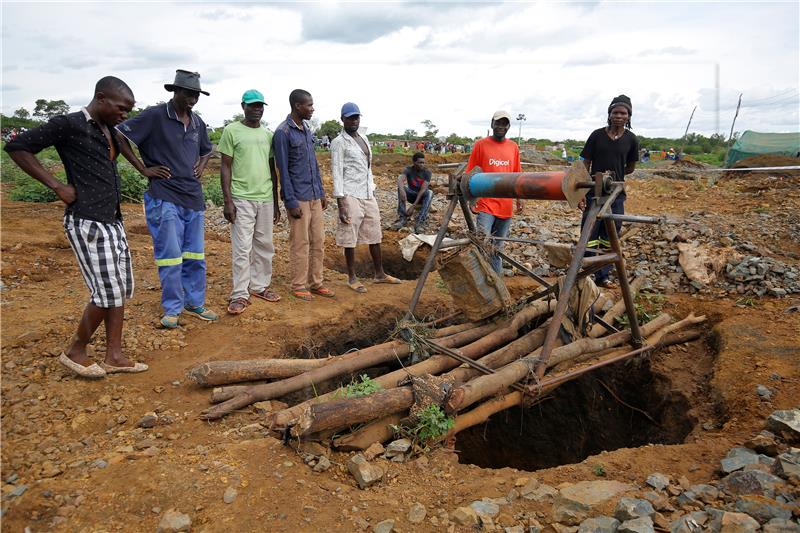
(214, 373)
(433, 365)
(344, 364)
(484, 386)
(221, 394)
(616, 310)
(346, 412)
(364, 437)
(512, 398)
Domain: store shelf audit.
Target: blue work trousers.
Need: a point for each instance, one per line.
(411, 196)
(496, 227)
(179, 252)
(599, 237)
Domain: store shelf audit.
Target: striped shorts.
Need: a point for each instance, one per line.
(104, 259)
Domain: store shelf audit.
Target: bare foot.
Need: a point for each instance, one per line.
(77, 352)
(118, 360)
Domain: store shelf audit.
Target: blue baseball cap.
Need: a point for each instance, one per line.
(349, 109)
(252, 97)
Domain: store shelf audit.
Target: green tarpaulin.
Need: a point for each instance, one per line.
(752, 143)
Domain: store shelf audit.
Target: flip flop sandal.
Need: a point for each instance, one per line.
(169, 321)
(135, 369)
(324, 292)
(302, 295)
(237, 306)
(607, 284)
(268, 295)
(93, 371)
(358, 287)
(388, 279)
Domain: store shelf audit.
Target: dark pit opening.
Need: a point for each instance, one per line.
(580, 419)
(393, 262)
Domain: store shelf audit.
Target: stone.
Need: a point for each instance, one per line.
(514, 529)
(322, 465)
(762, 508)
(229, 495)
(689, 523)
(18, 491)
(366, 474)
(599, 524)
(375, 449)
(385, 526)
(174, 521)
(100, 463)
(542, 493)
(631, 508)
(659, 501)
(591, 493)
(751, 482)
(764, 392)
(561, 528)
(417, 513)
(149, 420)
(780, 525)
(569, 512)
(738, 523)
(788, 463)
(787, 421)
(643, 524)
(737, 459)
(658, 481)
(465, 516)
(397, 447)
(485, 508)
(705, 493)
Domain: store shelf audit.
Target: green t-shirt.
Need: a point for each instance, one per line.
(250, 150)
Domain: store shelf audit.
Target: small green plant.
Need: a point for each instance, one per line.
(27, 189)
(441, 285)
(598, 470)
(761, 210)
(432, 423)
(212, 191)
(132, 184)
(748, 301)
(358, 389)
(648, 305)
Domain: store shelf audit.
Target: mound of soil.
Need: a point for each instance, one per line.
(767, 160)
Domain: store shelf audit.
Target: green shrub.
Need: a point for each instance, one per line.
(132, 184)
(27, 189)
(357, 389)
(212, 192)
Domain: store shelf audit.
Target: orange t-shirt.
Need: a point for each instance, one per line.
(493, 156)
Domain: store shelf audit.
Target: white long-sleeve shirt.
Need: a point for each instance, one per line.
(351, 167)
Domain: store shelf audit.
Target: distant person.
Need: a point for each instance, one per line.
(303, 196)
(92, 217)
(413, 185)
(496, 153)
(174, 145)
(354, 190)
(250, 190)
(563, 153)
(611, 148)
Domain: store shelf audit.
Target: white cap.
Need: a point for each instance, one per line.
(501, 114)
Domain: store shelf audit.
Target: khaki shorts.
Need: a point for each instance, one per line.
(364, 226)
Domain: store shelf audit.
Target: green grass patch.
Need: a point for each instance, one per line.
(358, 389)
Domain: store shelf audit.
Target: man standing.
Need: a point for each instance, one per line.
(250, 190)
(413, 185)
(496, 154)
(611, 148)
(301, 189)
(92, 218)
(173, 142)
(353, 188)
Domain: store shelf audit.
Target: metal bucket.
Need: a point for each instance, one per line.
(477, 290)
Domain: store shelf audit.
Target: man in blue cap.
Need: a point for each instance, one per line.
(354, 188)
(247, 175)
(174, 145)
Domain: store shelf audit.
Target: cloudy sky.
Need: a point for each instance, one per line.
(455, 63)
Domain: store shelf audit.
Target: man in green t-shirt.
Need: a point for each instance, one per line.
(250, 191)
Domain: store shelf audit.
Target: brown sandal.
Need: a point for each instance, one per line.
(268, 295)
(237, 306)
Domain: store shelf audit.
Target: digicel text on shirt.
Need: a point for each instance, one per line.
(493, 156)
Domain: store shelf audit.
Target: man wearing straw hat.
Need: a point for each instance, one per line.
(174, 145)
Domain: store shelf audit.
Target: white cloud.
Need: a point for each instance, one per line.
(403, 62)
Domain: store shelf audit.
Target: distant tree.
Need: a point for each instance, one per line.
(456, 139)
(331, 128)
(22, 113)
(47, 109)
(409, 134)
(430, 129)
(238, 117)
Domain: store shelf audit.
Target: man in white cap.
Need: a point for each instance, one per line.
(353, 188)
(496, 154)
(250, 190)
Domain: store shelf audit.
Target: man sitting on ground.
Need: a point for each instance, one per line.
(416, 190)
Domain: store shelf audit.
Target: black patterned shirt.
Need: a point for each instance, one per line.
(89, 162)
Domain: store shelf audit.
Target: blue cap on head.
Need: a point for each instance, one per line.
(349, 109)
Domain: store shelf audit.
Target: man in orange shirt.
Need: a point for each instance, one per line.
(496, 154)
